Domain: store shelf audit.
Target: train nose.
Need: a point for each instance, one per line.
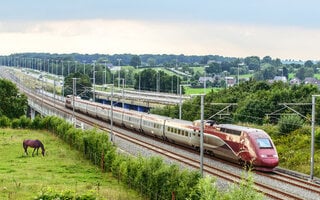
(269, 160)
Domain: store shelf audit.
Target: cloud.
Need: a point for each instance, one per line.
(139, 37)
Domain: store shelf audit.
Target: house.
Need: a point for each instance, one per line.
(295, 81)
(280, 78)
(230, 81)
(205, 79)
(311, 80)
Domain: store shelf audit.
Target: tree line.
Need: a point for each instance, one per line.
(256, 101)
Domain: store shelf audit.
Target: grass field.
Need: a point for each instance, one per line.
(24, 177)
(195, 91)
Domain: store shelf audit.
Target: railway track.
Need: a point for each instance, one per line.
(270, 190)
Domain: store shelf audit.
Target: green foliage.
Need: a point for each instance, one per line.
(317, 139)
(36, 123)
(289, 123)
(135, 61)
(50, 194)
(4, 122)
(255, 99)
(153, 178)
(12, 103)
(294, 150)
(82, 84)
(153, 80)
(205, 190)
(25, 122)
(244, 191)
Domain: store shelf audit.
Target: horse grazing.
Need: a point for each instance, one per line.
(36, 144)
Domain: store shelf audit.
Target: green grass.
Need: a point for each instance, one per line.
(191, 91)
(24, 177)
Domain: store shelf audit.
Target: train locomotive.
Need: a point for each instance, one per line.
(235, 143)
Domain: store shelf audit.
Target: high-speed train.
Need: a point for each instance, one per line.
(231, 142)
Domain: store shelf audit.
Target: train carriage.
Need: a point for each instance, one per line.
(179, 131)
(153, 124)
(132, 120)
(103, 112)
(117, 116)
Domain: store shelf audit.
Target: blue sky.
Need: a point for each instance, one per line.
(284, 29)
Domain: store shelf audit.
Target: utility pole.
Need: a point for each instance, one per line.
(74, 87)
(94, 81)
(201, 134)
(312, 135)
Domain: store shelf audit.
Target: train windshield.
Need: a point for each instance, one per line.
(264, 143)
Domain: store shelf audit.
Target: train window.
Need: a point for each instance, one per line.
(264, 143)
(234, 132)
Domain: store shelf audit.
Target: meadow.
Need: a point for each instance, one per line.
(61, 169)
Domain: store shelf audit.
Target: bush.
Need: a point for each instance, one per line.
(50, 194)
(244, 191)
(36, 123)
(15, 123)
(5, 122)
(289, 123)
(25, 122)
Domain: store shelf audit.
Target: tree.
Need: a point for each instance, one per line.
(83, 85)
(253, 62)
(267, 59)
(135, 61)
(214, 68)
(12, 103)
(308, 64)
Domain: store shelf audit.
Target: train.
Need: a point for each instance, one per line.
(240, 144)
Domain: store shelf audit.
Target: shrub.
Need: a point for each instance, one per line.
(25, 122)
(244, 191)
(15, 123)
(50, 194)
(5, 122)
(288, 123)
(36, 123)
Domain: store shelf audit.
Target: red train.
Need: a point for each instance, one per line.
(235, 143)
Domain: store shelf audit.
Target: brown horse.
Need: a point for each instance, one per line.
(36, 144)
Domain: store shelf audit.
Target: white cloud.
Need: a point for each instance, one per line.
(138, 37)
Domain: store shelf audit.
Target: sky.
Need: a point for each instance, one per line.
(285, 29)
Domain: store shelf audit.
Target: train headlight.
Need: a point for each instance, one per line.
(263, 156)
